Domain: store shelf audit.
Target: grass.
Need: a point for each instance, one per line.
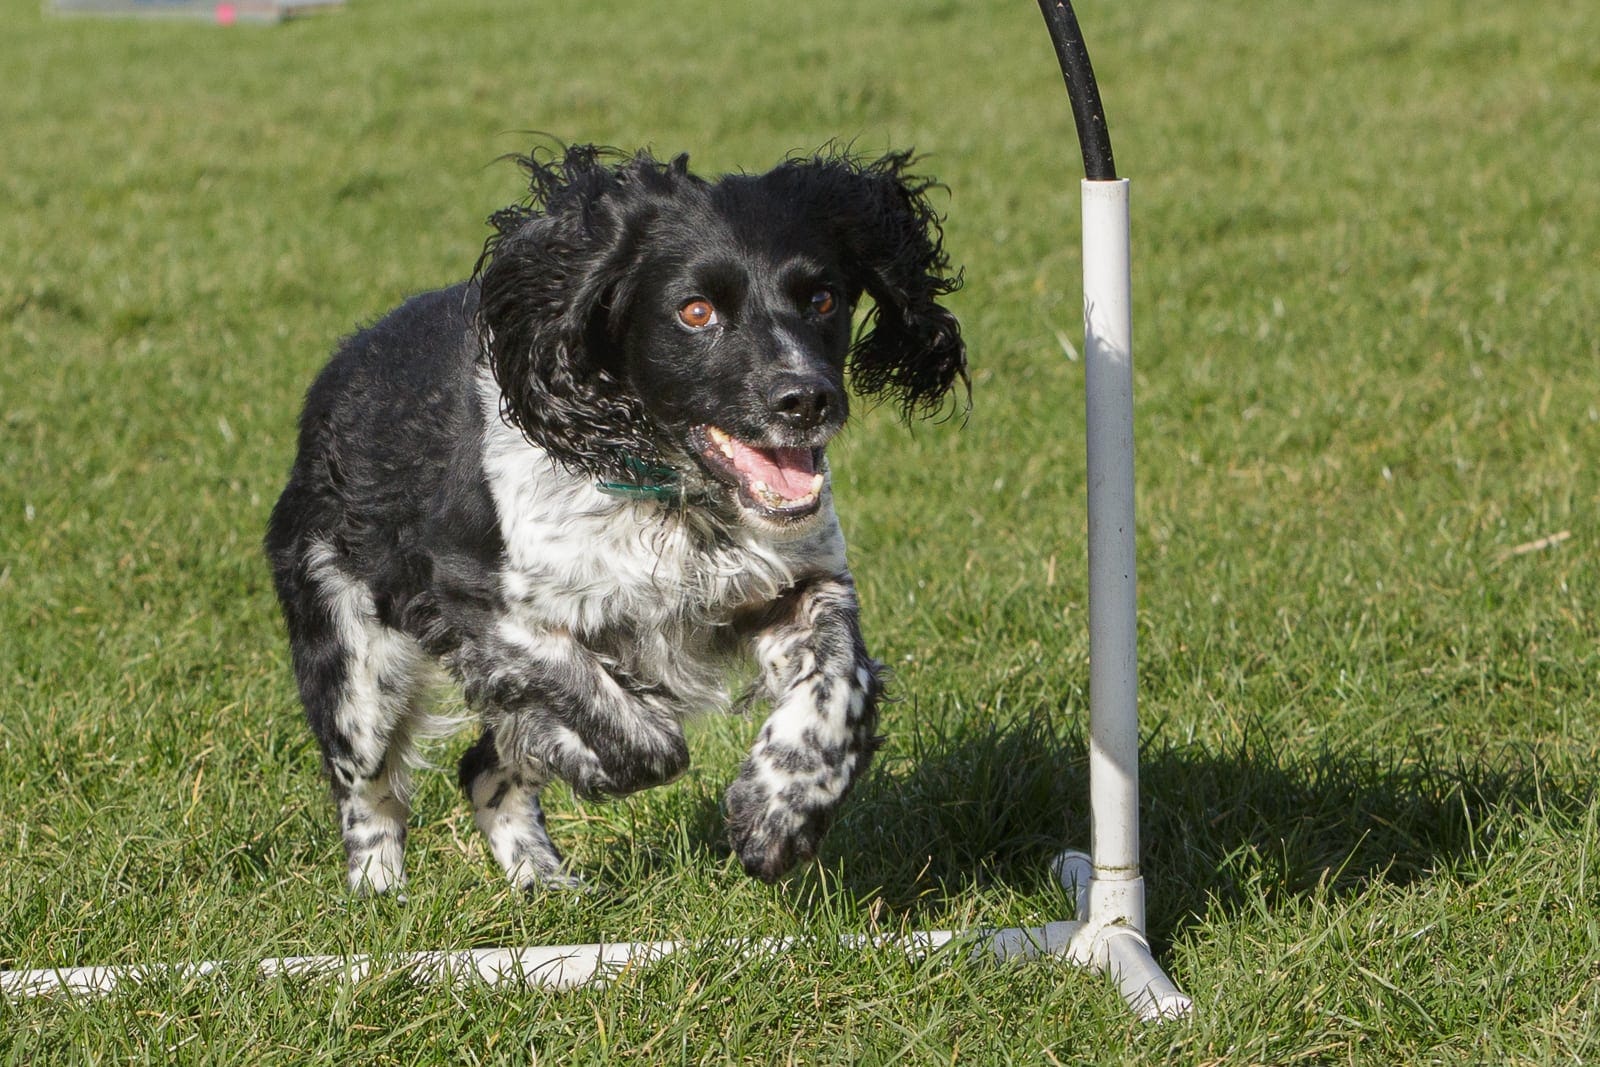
(1365, 288)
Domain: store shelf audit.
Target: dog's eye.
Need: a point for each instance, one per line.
(822, 301)
(698, 314)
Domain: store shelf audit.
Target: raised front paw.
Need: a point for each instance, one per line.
(771, 832)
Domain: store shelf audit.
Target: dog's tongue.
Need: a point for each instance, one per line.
(786, 472)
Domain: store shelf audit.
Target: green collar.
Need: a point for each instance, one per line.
(656, 483)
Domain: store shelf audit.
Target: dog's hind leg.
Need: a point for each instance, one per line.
(818, 739)
(553, 709)
(363, 687)
(505, 805)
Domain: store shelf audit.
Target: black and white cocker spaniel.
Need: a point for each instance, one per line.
(591, 479)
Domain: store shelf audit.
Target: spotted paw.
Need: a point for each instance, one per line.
(767, 834)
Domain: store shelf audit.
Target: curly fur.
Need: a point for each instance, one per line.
(467, 495)
(567, 253)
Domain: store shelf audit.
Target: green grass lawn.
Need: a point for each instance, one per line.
(1367, 318)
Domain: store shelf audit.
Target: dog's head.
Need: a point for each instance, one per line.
(636, 316)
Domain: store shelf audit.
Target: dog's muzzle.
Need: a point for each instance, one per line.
(778, 483)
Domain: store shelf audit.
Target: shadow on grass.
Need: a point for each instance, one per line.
(968, 807)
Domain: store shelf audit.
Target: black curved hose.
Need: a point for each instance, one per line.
(1087, 111)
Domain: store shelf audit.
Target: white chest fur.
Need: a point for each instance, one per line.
(645, 585)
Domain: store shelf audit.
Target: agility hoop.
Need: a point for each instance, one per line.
(1108, 931)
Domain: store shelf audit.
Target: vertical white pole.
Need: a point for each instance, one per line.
(1108, 884)
(1116, 890)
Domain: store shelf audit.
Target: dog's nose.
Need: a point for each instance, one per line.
(804, 402)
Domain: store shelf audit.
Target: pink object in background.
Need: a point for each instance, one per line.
(226, 14)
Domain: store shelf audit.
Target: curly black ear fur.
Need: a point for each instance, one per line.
(552, 276)
(909, 347)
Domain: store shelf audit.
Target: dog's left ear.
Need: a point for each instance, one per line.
(909, 347)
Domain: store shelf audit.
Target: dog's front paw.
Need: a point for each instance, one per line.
(769, 833)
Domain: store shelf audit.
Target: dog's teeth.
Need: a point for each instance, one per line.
(721, 439)
(777, 501)
(767, 495)
(816, 483)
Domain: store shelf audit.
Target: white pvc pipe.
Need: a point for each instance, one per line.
(556, 967)
(1113, 653)
(1108, 882)
(1140, 979)
(549, 967)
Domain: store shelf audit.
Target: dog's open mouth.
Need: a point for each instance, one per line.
(775, 482)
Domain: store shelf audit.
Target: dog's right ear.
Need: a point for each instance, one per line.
(551, 279)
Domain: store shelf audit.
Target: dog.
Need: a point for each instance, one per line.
(590, 481)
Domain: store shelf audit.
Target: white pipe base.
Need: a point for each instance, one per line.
(1105, 940)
